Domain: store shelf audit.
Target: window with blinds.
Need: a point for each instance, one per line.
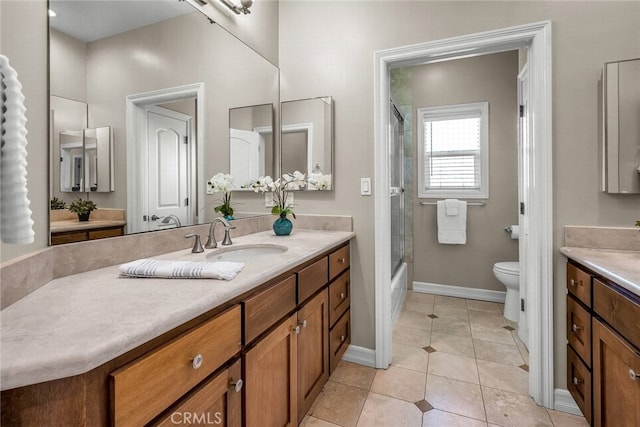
(454, 151)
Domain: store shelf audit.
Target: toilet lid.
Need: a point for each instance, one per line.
(507, 267)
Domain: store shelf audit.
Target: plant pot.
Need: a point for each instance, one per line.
(84, 217)
(282, 226)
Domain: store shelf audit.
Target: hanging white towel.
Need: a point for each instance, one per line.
(16, 225)
(224, 270)
(452, 226)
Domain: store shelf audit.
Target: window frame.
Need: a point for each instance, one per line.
(453, 112)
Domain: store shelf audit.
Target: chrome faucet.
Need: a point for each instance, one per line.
(172, 218)
(211, 242)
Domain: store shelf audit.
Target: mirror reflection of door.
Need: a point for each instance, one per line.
(169, 186)
(246, 156)
(71, 154)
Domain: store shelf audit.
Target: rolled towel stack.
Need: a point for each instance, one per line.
(168, 269)
(16, 225)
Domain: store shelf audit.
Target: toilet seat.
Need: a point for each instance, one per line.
(512, 268)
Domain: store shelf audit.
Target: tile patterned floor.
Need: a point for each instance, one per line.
(456, 362)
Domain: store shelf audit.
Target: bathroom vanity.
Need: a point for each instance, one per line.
(603, 334)
(255, 350)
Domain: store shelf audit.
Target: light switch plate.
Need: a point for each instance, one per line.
(365, 186)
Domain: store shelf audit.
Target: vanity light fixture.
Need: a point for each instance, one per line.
(243, 8)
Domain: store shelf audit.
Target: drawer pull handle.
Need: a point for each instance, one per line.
(341, 260)
(197, 361)
(575, 328)
(342, 295)
(303, 323)
(342, 338)
(632, 375)
(237, 384)
(577, 381)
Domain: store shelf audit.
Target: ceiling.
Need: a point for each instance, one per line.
(90, 20)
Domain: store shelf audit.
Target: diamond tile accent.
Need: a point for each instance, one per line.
(509, 328)
(429, 349)
(424, 406)
(432, 316)
(524, 367)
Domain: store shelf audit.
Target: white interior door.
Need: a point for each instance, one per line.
(523, 185)
(246, 156)
(169, 191)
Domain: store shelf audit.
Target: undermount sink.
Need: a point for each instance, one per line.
(245, 253)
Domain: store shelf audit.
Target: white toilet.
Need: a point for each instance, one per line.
(508, 273)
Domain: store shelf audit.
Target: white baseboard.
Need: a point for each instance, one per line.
(460, 292)
(360, 355)
(563, 401)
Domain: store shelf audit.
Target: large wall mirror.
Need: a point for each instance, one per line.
(161, 69)
(307, 140)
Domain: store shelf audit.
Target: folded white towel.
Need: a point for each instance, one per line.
(452, 229)
(181, 269)
(451, 207)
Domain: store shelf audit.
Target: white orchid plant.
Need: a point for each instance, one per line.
(222, 183)
(280, 189)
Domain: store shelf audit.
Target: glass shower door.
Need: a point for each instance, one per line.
(396, 154)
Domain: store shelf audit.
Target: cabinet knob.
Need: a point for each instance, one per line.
(342, 338)
(632, 375)
(197, 361)
(237, 384)
(577, 381)
(575, 328)
(342, 295)
(303, 323)
(342, 260)
(296, 329)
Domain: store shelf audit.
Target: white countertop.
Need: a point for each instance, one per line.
(621, 267)
(76, 323)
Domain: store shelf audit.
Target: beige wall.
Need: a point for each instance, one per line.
(23, 39)
(491, 78)
(68, 65)
(327, 48)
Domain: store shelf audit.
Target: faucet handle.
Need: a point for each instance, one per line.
(227, 238)
(197, 245)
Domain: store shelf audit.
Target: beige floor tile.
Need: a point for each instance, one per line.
(384, 411)
(562, 419)
(450, 301)
(491, 320)
(436, 418)
(453, 366)
(451, 327)
(339, 404)
(491, 307)
(513, 410)
(458, 397)
(414, 319)
(354, 375)
(420, 297)
(408, 357)
(448, 312)
(411, 336)
(316, 422)
(453, 344)
(503, 377)
(400, 383)
(496, 352)
(499, 335)
(418, 307)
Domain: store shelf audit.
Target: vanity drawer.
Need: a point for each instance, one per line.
(338, 261)
(339, 339)
(68, 237)
(618, 311)
(579, 329)
(143, 388)
(579, 284)
(266, 308)
(312, 278)
(105, 232)
(579, 382)
(339, 297)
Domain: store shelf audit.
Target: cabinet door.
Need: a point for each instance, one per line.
(270, 374)
(616, 380)
(313, 351)
(218, 401)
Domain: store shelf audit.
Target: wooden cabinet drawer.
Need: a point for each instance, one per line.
(147, 386)
(266, 308)
(312, 278)
(105, 232)
(68, 237)
(579, 382)
(579, 284)
(338, 261)
(339, 339)
(339, 297)
(618, 311)
(579, 329)
(215, 402)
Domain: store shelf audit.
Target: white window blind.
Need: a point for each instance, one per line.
(453, 151)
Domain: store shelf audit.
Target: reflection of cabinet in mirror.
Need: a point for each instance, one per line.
(621, 130)
(86, 160)
(307, 140)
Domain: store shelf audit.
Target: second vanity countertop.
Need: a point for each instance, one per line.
(76, 323)
(621, 267)
(75, 225)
